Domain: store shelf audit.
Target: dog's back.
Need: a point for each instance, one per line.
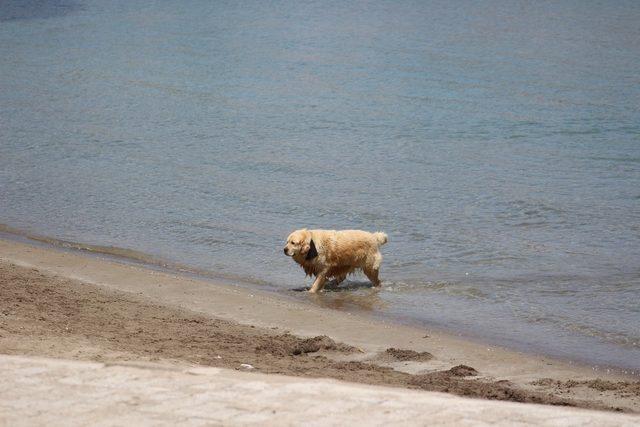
(351, 247)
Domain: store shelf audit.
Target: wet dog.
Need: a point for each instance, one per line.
(328, 254)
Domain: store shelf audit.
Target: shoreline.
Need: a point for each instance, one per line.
(263, 311)
(146, 261)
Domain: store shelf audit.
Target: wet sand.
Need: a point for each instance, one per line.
(73, 306)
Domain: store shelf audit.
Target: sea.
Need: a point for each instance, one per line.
(497, 143)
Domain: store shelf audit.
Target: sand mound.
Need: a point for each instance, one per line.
(619, 388)
(453, 381)
(291, 345)
(406, 355)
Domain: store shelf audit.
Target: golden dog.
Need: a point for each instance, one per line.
(329, 253)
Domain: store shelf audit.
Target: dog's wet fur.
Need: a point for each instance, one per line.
(328, 254)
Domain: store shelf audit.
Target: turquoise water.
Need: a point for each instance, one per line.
(497, 143)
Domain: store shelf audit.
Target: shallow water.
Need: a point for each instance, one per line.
(497, 143)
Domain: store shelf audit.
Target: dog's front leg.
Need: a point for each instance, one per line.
(318, 284)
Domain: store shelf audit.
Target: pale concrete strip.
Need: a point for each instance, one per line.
(36, 391)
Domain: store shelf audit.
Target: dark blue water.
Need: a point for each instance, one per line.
(497, 143)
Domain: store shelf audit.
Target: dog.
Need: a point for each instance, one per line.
(329, 254)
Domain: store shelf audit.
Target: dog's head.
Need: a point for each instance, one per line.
(299, 244)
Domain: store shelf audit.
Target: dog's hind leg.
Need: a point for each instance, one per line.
(372, 269)
(318, 284)
(372, 274)
(340, 279)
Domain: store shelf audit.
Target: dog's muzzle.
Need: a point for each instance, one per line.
(285, 252)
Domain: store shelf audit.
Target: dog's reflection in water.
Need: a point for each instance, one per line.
(358, 295)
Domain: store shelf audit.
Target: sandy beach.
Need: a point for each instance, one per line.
(75, 306)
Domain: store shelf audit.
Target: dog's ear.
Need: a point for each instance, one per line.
(307, 242)
(312, 252)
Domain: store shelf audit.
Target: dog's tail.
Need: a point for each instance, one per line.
(381, 237)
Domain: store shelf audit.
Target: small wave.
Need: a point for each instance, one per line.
(575, 327)
(443, 287)
(85, 247)
(530, 213)
(25, 10)
(571, 132)
(131, 255)
(617, 159)
(496, 259)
